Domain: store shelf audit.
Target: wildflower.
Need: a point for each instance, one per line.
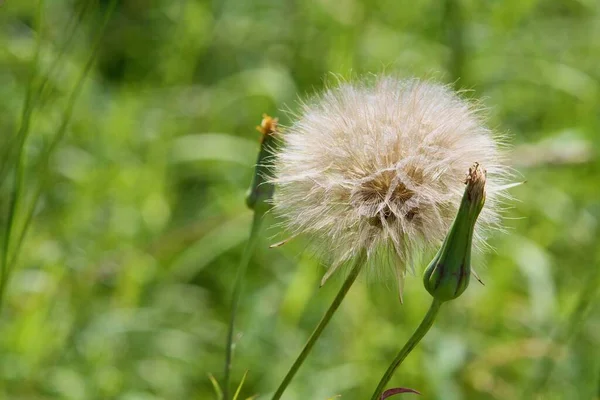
(379, 167)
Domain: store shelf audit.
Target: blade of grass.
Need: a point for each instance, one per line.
(239, 388)
(21, 138)
(216, 387)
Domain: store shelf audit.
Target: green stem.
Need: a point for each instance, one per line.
(408, 347)
(237, 292)
(358, 264)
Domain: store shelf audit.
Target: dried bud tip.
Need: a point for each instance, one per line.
(268, 125)
(391, 392)
(475, 182)
(475, 174)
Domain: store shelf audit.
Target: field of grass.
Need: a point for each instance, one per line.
(128, 140)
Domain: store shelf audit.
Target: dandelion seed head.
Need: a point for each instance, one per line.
(380, 167)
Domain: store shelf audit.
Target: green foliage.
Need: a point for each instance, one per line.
(130, 227)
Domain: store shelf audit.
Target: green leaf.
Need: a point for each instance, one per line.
(216, 386)
(239, 389)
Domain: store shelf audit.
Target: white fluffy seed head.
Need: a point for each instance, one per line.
(379, 168)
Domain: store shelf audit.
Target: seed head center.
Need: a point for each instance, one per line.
(381, 200)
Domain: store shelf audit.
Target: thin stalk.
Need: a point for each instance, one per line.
(408, 347)
(237, 292)
(19, 175)
(354, 272)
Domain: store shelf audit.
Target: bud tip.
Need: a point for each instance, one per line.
(268, 125)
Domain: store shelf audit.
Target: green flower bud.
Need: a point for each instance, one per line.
(448, 274)
(261, 190)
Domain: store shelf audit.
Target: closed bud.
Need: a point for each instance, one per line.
(448, 274)
(261, 190)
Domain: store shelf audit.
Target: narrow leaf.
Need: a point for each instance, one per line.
(239, 389)
(216, 386)
(391, 392)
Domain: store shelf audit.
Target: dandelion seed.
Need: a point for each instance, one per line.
(379, 167)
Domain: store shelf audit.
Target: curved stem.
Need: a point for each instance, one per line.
(237, 292)
(408, 347)
(358, 264)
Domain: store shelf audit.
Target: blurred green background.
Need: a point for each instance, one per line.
(123, 281)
